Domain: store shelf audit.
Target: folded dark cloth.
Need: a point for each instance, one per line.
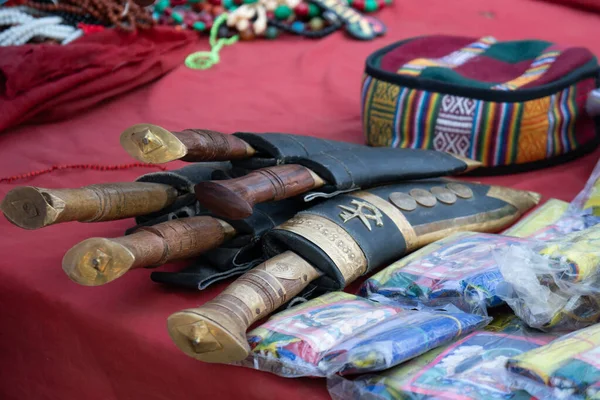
(49, 82)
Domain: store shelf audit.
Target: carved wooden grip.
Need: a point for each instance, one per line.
(205, 145)
(32, 208)
(235, 198)
(153, 144)
(97, 261)
(216, 331)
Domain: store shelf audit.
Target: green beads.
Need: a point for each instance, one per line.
(161, 6)
(177, 17)
(199, 26)
(228, 4)
(370, 5)
(283, 12)
(313, 10)
(250, 1)
(316, 24)
(271, 32)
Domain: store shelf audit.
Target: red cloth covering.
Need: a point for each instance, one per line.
(49, 82)
(590, 5)
(62, 341)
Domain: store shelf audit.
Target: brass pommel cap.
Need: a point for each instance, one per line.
(30, 208)
(97, 261)
(152, 144)
(197, 333)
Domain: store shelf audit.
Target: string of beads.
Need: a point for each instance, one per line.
(122, 14)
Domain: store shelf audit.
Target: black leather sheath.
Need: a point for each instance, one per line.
(233, 257)
(356, 233)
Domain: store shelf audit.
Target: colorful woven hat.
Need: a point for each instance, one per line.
(511, 105)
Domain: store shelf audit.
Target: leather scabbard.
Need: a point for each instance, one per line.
(352, 234)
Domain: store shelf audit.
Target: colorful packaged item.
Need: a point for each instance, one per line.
(554, 285)
(567, 368)
(512, 105)
(547, 214)
(458, 270)
(344, 334)
(470, 369)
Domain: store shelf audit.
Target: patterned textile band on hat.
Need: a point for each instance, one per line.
(538, 67)
(452, 60)
(491, 132)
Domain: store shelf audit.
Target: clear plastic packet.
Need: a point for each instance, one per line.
(553, 285)
(470, 369)
(583, 211)
(544, 216)
(346, 334)
(566, 368)
(459, 270)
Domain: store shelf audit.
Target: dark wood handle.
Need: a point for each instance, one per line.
(97, 261)
(216, 331)
(235, 198)
(156, 145)
(205, 145)
(33, 208)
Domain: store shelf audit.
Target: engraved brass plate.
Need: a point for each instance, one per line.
(423, 197)
(363, 211)
(403, 201)
(397, 217)
(460, 190)
(343, 250)
(443, 194)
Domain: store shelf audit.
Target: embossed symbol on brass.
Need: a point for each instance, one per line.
(280, 270)
(444, 195)
(460, 190)
(403, 201)
(147, 141)
(26, 206)
(359, 212)
(423, 197)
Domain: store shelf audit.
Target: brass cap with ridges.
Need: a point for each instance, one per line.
(97, 261)
(152, 144)
(29, 208)
(200, 336)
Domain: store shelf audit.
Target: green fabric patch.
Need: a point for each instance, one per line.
(517, 51)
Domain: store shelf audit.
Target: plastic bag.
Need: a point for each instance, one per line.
(583, 211)
(567, 368)
(544, 216)
(459, 270)
(346, 334)
(553, 285)
(470, 369)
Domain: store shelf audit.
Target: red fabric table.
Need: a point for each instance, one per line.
(62, 341)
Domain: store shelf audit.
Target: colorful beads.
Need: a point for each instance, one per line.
(297, 26)
(255, 18)
(301, 10)
(271, 32)
(316, 24)
(313, 10)
(177, 17)
(370, 5)
(199, 26)
(283, 12)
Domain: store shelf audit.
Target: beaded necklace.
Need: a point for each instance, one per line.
(122, 14)
(24, 27)
(257, 18)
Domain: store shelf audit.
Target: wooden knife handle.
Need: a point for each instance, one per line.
(216, 331)
(97, 261)
(33, 208)
(235, 198)
(205, 145)
(156, 145)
